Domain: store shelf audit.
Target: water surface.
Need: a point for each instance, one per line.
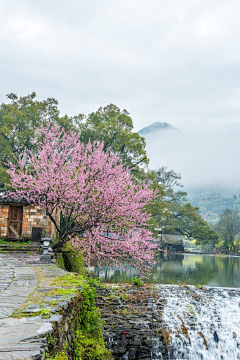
(192, 269)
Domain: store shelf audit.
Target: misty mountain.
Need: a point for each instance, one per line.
(156, 127)
(205, 160)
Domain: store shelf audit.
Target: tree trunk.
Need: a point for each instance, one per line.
(58, 245)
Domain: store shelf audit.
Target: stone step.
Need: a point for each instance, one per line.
(9, 250)
(18, 247)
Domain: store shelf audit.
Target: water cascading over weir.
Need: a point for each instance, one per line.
(173, 322)
(202, 323)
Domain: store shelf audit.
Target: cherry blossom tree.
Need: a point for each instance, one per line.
(103, 209)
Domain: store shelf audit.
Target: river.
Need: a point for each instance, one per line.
(201, 322)
(193, 269)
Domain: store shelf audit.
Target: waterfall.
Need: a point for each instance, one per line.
(192, 315)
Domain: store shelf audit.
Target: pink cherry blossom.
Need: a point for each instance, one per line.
(103, 208)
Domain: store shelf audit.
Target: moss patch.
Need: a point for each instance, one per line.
(82, 326)
(71, 260)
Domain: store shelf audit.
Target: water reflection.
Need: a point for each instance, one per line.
(182, 268)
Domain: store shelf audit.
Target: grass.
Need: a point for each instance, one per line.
(15, 242)
(56, 285)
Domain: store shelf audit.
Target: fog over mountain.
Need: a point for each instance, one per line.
(157, 127)
(206, 161)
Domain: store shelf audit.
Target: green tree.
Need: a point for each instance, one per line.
(115, 128)
(228, 228)
(158, 206)
(22, 116)
(18, 120)
(190, 223)
(178, 215)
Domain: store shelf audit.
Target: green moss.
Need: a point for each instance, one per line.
(60, 261)
(71, 260)
(86, 322)
(64, 292)
(70, 279)
(59, 356)
(124, 296)
(45, 312)
(15, 243)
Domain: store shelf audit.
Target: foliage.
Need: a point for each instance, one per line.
(70, 259)
(190, 223)
(157, 207)
(228, 227)
(88, 340)
(114, 128)
(18, 121)
(177, 215)
(212, 204)
(103, 209)
(136, 282)
(22, 116)
(59, 356)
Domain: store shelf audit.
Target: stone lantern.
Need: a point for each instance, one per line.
(45, 245)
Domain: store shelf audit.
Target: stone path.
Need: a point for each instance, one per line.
(17, 282)
(24, 337)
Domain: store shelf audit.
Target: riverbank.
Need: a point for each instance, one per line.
(48, 313)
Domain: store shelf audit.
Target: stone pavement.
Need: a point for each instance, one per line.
(22, 328)
(17, 282)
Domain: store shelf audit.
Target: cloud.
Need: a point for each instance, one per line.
(173, 61)
(205, 161)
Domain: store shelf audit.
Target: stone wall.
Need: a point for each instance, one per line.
(63, 331)
(3, 220)
(33, 216)
(47, 315)
(134, 328)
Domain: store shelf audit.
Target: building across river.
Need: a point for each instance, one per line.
(172, 242)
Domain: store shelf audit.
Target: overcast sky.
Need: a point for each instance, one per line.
(176, 61)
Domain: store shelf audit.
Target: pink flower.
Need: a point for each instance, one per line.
(103, 209)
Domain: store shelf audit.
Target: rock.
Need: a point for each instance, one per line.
(119, 350)
(135, 342)
(45, 328)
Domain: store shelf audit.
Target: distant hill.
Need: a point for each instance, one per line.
(156, 127)
(206, 160)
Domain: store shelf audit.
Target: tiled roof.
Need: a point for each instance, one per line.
(8, 199)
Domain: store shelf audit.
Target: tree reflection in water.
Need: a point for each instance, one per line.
(182, 268)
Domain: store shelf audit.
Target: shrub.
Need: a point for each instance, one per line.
(136, 282)
(71, 260)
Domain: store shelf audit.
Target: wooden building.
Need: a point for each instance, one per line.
(18, 220)
(173, 241)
